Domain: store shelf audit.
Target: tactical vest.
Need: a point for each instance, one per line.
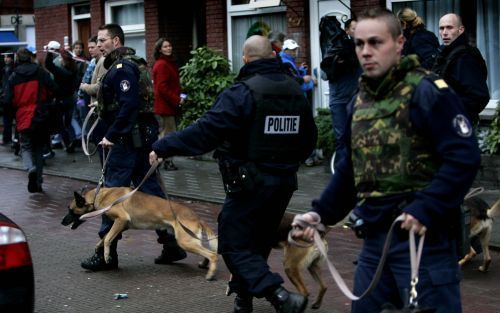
(281, 128)
(388, 156)
(146, 90)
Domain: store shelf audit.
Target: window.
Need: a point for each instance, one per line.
(129, 14)
(241, 16)
(483, 28)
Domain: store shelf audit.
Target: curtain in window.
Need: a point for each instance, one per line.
(488, 38)
(129, 14)
(241, 24)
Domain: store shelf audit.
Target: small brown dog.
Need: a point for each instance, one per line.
(296, 259)
(143, 211)
(481, 225)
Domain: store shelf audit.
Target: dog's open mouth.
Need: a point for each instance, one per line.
(71, 218)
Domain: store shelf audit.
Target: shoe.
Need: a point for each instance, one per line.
(56, 145)
(17, 148)
(170, 166)
(49, 155)
(285, 301)
(170, 254)
(243, 304)
(96, 262)
(309, 162)
(33, 185)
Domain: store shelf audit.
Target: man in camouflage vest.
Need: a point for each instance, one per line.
(409, 149)
(129, 128)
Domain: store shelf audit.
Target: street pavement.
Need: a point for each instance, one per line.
(63, 286)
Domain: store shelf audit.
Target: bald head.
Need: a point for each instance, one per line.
(450, 27)
(257, 47)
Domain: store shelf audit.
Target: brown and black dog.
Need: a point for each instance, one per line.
(297, 259)
(481, 225)
(143, 211)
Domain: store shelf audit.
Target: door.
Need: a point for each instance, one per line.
(339, 8)
(83, 26)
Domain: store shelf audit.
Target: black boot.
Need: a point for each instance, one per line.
(97, 263)
(287, 302)
(171, 252)
(243, 304)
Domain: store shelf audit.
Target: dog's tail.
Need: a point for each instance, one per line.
(211, 236)
(494, 211)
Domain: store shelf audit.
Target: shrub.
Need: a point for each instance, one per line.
(491, 143)
(325, 133)
(206, 75)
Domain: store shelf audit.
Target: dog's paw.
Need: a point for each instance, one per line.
(203, 263)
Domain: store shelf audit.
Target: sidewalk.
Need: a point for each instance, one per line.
(199, 179)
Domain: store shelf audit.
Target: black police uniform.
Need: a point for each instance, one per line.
(436, 113)
(258, 177)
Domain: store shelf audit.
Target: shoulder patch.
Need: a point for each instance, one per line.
(462, 126)
(440, 83)
(119, 65)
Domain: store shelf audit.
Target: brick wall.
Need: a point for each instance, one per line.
(297, 15)
(96, 15)
(216, 25)
(52, 23)
(357, 6)
(151, 16)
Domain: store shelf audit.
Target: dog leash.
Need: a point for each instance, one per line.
(103, 171)
(333, 271)
(122, 198)
(86, 137)
(186, 229)
(474, 192)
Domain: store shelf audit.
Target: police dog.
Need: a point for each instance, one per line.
(296, 259)
(143, 211)
(481, 225)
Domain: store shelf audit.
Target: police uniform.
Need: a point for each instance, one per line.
(409, 148)
(262, 128)
(123, 115)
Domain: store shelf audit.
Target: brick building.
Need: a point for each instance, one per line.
(222, 24)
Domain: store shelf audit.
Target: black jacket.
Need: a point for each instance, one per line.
(424, 44)
(464, 69)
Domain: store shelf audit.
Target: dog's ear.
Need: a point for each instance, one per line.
(79, 199)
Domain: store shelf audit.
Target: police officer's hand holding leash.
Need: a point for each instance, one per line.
(408, 155)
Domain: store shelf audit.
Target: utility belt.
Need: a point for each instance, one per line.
(141, 137)
(238, 178)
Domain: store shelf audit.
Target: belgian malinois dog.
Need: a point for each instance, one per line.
(144, 211)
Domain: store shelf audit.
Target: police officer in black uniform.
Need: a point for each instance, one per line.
(409, 149)
(262, 128)
(128, 129)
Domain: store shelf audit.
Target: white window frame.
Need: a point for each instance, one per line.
(127, 29)
(75, 18)
(241, 10)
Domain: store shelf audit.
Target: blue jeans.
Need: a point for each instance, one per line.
(341, 93)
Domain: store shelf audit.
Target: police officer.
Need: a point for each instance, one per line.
(462, 66)
(409, 149)
(129, 127)
(262, 128)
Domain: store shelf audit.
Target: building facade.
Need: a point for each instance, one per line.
(223, 24)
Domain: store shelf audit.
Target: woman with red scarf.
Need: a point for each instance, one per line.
(167, 90)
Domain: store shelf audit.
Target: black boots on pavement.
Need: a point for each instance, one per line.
(171, 252)
(282, 300)
(97, 263)
(285, 301)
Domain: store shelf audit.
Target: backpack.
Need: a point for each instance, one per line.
(146, 89)
(337, 49)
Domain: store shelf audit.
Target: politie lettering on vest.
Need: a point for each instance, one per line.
(281, 125)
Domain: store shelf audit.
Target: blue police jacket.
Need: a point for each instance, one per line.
(434, 112)
(120, 85)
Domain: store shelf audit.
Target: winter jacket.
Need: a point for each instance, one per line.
(424, 44)
(23, 91)
(167, 86)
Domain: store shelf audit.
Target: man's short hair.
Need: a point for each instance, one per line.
(114, 30)
(93, 39)
(389, 18)
(23, 55)
(348, 23)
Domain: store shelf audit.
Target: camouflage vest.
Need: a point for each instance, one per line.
(146, 90)
(388, 156)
